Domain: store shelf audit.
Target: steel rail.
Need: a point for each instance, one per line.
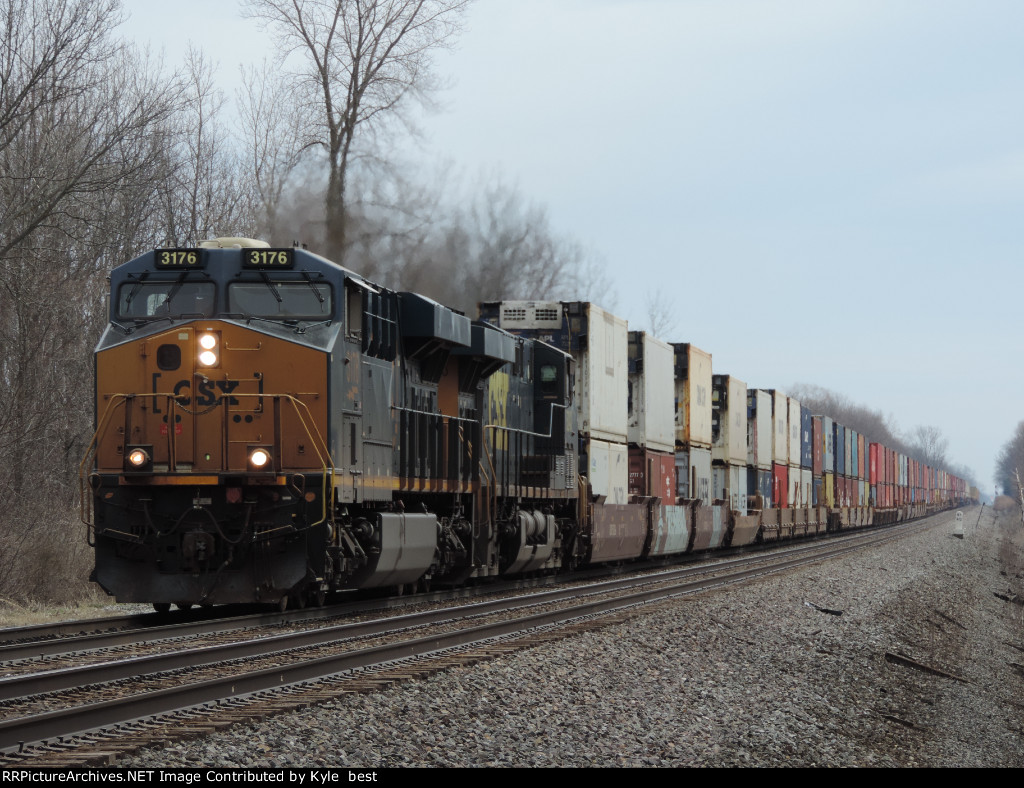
(84, 719)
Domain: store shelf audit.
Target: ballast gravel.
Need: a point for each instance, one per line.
(919, 663)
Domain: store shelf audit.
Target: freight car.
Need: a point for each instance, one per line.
(271, 427)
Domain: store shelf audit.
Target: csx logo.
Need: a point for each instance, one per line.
(207, 392)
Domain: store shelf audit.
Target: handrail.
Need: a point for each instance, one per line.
(300, 408)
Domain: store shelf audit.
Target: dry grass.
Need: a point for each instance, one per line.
(23, 614)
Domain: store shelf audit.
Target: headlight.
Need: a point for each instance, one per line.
(138, 459)
(209, 348)
(260, 459)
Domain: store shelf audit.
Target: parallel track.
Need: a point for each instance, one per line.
(412, 643)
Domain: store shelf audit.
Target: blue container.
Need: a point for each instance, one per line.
(806, 433)
(840, 449)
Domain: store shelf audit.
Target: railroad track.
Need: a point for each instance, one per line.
(108, 703)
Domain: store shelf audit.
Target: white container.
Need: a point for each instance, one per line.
(730, 484)
(700, 475)
(806, 496)
(759, 429)
(609, 470)
(596, 339)
(651, 393)
(780, 428)
(692, 397)
(794, 434)
(730, 447)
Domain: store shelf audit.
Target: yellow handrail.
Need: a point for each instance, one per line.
(300, 408)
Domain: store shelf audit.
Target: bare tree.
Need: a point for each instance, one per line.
(662, 314)
(927, 444)
(206, 195)
(70, 94)
(84, 124)
(1010, 461)
(270, 132)
(361, 63)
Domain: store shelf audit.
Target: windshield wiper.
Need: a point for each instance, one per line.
(313, 287)
(175, 288)
(135, 287)
(272, 286)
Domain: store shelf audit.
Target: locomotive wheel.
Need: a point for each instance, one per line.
(298, 600)
(317, 597)
(162, 607)
(183, 605)
(282, 603)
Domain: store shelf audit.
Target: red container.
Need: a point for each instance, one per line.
(780, 485)
(652, 473)
(873, 475)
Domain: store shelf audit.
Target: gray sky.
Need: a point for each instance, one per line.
(827, 190)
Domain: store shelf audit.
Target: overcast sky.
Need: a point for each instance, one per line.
(829, 192)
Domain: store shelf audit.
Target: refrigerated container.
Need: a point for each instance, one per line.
(692, 396)
(729, 420)
(596, 339)
(651, 393)
(759, 429)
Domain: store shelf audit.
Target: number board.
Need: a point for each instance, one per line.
(268, 258)
(179, 258)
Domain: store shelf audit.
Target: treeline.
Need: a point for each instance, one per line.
(924, 443)
(105, 153)
(1010, 465)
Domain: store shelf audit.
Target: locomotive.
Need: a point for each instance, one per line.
(272, 427)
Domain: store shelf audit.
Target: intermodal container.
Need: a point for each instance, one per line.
(596, 339)
(780, 428)
(729, 420)
(759, 429)
(806, 439)
(692, 396)
(651, 392)
(828, 438)
(609, 470)
(730, 486)
(794, 433)
(780, 485)
(652, 473)
(818, 455)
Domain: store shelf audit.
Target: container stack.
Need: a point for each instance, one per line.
(693, 422)
(759, 449)
(828, 463)
(651, 431)
(729, 441)
(597, 341)
(780, 449)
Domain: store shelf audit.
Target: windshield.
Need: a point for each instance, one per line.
(172, 298)
(280, 299)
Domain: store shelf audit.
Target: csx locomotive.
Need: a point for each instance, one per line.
(272, 427)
